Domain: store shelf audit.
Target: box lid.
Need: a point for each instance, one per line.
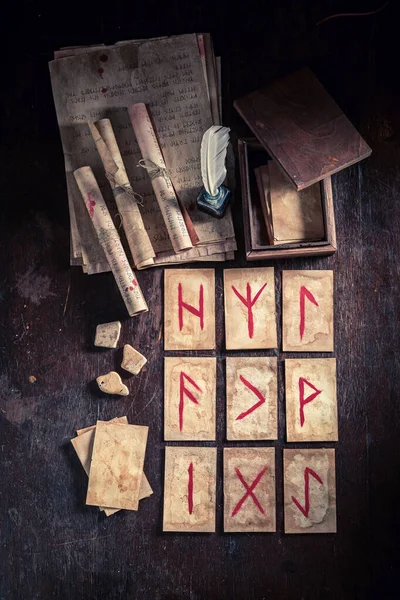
(302, 128)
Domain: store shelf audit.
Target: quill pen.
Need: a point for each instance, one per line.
(213, 199)
(213, 151)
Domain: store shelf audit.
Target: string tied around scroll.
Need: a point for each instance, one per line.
(154, 170)
(124, 188)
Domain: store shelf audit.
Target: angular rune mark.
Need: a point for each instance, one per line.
(255, 391)
(249, 491)
(183, 391)
(197, 312)
(304, 293)
(249, 303)
(190, 488)
(310, 398)
(306, 509)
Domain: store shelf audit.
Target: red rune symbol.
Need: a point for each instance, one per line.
(310, 398)
(249, 303)
(100, 72)
(190, 488)
(197, 312)
(91, 204)
(134, 284)
(304, 293)
(255, 391)
(307, 472)
(249, 491)
(184, 391)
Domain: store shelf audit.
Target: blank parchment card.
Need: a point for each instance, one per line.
(117, 465)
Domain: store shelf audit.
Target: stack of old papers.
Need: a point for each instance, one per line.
(178, 78)
(112, 454)
(290, 215)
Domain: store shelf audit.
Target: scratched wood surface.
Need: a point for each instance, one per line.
(52, 545)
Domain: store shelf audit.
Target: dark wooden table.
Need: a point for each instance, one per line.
(52, 545)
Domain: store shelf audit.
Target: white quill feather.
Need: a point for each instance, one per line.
(213, 154)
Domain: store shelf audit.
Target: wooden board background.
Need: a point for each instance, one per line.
(52, 545)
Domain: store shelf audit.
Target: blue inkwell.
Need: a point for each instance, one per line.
(214, 205)
(214, 197)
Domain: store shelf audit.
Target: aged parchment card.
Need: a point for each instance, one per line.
(117, 465)
(189, 309)
(249, 489)
(311, 406)
(251, 398)
(189, 398)
(250, 317)
(189, 489)
(296, 215)
(309, 490)
(307, 311)
(83, 446)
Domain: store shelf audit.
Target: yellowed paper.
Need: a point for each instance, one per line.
(244, 512)
(139, 242)
(296, 215)
(189, 309)
(110, 242)
(251, 398)
(189, 489)
(309, 490)
(189, 398)
(166, 74)
(311, 407)
(307, 311)
(117, 465)
(153, 162)
(250, 319)
(83, 446)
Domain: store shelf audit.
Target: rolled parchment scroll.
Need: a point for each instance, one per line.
(110, 242)
(139, 242)
(153, 162)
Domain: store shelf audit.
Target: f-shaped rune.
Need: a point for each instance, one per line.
(249, 491)
(183, 391)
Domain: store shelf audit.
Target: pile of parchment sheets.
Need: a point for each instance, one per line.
(178, 79)
(112, 454)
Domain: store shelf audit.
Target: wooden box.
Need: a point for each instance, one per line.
(252, 155)
(299, 126)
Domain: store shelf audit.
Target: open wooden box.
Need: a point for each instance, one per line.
(251, 155)
(300, 127)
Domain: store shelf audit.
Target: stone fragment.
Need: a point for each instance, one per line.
(111, 384)
(107, 334)
(132, 360)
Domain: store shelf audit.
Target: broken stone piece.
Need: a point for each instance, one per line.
(111, 384)
(132, 360)
(107, 334)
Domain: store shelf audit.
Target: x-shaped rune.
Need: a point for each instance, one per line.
(249, 491)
